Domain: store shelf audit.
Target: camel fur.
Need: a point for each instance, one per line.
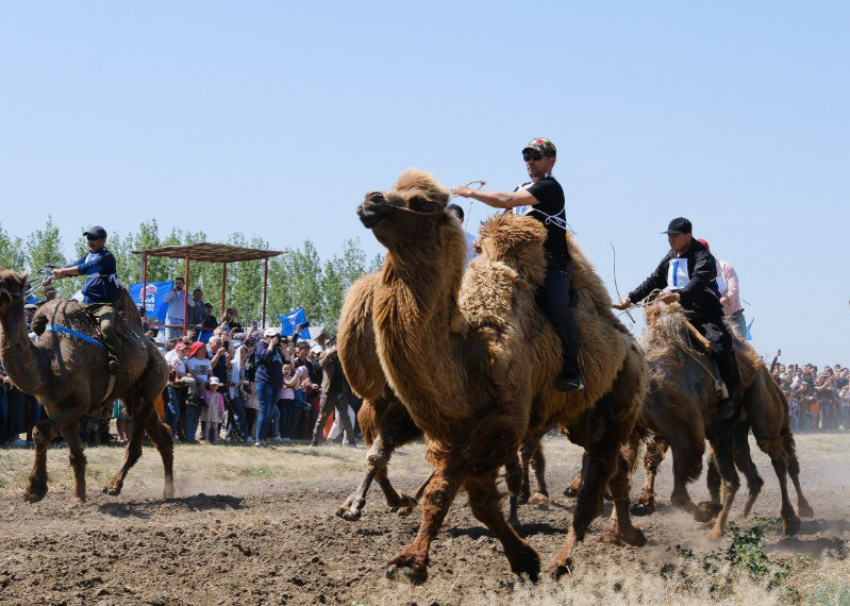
(476, 368)
(70, 379)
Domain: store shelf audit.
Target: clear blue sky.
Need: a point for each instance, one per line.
(275, 118)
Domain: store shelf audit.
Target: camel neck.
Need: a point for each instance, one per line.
(18, 354)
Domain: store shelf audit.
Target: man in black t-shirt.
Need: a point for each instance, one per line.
(543, 199)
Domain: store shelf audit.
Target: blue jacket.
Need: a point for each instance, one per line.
(269, 364)
(101, 278)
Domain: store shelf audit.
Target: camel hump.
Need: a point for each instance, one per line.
(127, 307)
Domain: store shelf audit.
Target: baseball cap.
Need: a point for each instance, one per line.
(271, 332)
(196, 346)
(679, 225)
(30, 307)
(215, 381)
(317, 349)
(95, 232)
(542, 145)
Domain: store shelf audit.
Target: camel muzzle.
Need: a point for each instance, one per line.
(371, 212)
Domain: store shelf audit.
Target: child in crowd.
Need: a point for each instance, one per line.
(200, 369)
(213, 412)
(123, 421)
(288, 409)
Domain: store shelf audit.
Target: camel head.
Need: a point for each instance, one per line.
(517, 242)
(414, 208)
(12, 288)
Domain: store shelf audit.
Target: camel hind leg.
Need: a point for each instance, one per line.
(574, 487)
(805, 509)
(160, 435)
(620, 527)
(140, 409)
(644, 504)
(729, 483)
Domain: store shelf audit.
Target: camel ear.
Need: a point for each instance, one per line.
(23, 278)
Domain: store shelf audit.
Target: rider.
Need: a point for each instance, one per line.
(688, 275)
(100, 291)
(543, 199)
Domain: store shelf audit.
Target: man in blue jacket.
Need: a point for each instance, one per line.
(688, 276)
(100, 291)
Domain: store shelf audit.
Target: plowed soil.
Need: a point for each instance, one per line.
(258, 527)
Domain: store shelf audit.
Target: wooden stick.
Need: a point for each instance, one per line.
(617, 288)
(698, 336)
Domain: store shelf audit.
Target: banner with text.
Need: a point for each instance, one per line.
(155, 305)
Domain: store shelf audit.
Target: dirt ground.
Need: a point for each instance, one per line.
(258, 527)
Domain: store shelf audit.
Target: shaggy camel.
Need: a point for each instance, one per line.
(476, 369)
(70, 378)
(384, 421)
(680, 412)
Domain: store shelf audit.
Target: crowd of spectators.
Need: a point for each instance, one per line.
(818, 400)
(227, 384)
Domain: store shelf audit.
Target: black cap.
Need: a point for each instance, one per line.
(679, 225)
(95, 232)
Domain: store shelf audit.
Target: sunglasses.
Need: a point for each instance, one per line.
(532, 156)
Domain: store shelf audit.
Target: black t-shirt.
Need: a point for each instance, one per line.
(550, 203)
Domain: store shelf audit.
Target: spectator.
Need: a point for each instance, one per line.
(212, 413)
(209, 324)
(230, 322)
(123, 421)
(199, 368)
(221, 364)
(176, 359)
(290, 412)
(336, 394)
(239, 388)
(175, 314)
(196, 312)
(29, 314)
(268, 381)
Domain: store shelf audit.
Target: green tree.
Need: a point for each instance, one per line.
(333, 289)
(377, 262)
(44, 247)
(306, 281)
(11, 251)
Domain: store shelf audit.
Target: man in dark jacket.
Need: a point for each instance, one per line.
(336, 395)
(688, 275)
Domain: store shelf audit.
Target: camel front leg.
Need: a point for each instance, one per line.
(77, 459)
(620, 527)
(790, 448)
(412, 562)
(775, 450)
(541, 492)
(644, 504)
(744, 462)
(729, 484)
(484, 501)
(42, 435)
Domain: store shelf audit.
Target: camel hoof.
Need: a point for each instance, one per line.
(348, 514)
(529, 565)
(791, 526)
(642, 509)
(714, 534)
(407, 573)
(111, 491)
(540, 500)
(703, 515)
(34, 497)
(570, 492)
(709, 524)
(523, 498)
(712, 507)
(806, 511)
(406, 502)
(556, 569)
(403, 512)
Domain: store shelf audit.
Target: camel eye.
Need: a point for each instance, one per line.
(418, 203)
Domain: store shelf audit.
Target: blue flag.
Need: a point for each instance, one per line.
(290, 321)
(155, 305)
(749, 333)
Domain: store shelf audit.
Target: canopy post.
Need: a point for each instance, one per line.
(186, 299)
(144, 296)
(265, 290)
(223, 286)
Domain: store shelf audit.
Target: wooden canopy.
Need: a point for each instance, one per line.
(210, 253)
(213, 253)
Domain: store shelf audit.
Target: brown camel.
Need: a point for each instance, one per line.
(476, 369)
(384, 421)
(680, 412)
(69, 377)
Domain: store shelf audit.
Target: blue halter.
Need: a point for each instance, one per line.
(73, 333)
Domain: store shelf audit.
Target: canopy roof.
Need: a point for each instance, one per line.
(213, 253)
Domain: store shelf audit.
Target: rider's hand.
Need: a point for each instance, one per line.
(476, 245)
(669, 297)
(57, 273)
(623, 305)
(461, 190)
(725, 301)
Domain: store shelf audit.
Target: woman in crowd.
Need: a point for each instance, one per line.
(268, 358)
(199, 368)
(213, 411)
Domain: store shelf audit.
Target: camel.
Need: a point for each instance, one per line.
(476, 367)
(69, 377)
(384, 421)
(681, 412)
